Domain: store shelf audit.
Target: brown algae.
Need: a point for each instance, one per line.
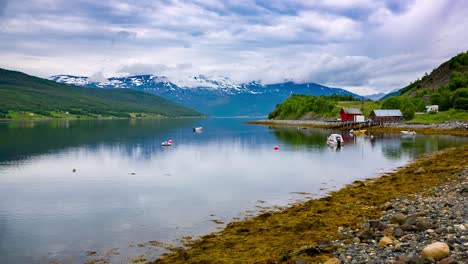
(302, 230)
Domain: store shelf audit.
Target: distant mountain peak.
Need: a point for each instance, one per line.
(213, 95)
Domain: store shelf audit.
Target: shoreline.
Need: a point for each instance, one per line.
(303, 231)
(98, 118)
(456, 128)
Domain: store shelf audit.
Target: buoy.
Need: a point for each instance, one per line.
(276, 148)
(169, 141)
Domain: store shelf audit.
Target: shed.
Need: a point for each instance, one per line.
(386, 116)
(432, 108)
(348, 114)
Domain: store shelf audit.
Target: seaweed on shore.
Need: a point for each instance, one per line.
(306, 230)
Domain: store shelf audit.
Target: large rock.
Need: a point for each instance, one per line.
(436, 251)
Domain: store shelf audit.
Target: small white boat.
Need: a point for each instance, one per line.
(166, 143)
(335, 140)
(408, 133)
(198, 129)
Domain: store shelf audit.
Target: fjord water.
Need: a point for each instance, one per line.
(68, 187)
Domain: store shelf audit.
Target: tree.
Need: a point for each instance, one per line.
(392, 103)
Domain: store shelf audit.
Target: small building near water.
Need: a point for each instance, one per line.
(386, 116)
(432, 108)
(349, 114)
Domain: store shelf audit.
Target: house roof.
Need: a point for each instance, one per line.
(387, 112)
(352, 111)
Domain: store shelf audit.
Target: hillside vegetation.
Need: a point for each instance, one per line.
(446, 86)
(24, 95)
(297, 106)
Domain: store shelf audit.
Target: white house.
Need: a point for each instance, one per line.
(432, 108)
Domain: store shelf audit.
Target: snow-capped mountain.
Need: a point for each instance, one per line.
(215, 96)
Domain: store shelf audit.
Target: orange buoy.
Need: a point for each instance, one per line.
(276, 148)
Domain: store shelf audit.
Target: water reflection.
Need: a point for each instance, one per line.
(126, 189)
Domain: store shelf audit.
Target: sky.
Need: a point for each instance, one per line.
(363, 46)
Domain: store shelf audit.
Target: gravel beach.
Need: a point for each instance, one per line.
(427, 227)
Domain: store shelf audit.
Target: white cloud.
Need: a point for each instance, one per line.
(366, 46)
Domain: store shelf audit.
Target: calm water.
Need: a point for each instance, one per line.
(128, 190)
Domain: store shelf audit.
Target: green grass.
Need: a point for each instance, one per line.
(440, 117)
(23, 93)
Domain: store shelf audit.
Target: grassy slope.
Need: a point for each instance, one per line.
(437, 78)
(440, 117)
(21, 92)
(276, 237)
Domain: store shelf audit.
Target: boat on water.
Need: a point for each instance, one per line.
(166, 143)
(335, 140)
(358, 132)
(198, 129)
(407, 133)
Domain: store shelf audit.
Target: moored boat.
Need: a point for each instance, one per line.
(166, 143)
(335, 140)
(358, 132)
(408, 133)
(198, 129)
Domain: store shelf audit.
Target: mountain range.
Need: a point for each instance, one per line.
(214, 96)
(217, 96)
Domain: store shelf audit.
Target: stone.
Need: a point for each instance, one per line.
(374, 223)
(356, 240)
(406, 227)
(411, 220)
(385, 241)
(388, 232)
(416, 260)
(448, 260)
(398, 219)
(403, 258)
(398, 232)
(333, 261)
(421, 226)
(365, 234)
(436, 251)
(420, 170)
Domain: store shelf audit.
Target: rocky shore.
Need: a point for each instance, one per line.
(448, 127)
(427, 227)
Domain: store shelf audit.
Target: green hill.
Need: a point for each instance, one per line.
(25, 95)
(444, 75)
(446, 86)
(300, 106)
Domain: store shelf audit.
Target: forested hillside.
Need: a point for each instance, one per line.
(297, 106)
(21, 93)
(446, 86)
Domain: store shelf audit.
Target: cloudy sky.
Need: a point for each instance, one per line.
(364, 46)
